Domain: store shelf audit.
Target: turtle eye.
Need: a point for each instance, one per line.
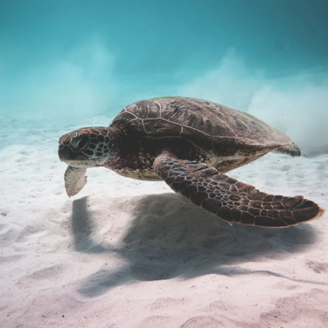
(79, 141)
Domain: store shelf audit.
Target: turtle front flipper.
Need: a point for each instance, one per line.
(231, 199)
(75, 180)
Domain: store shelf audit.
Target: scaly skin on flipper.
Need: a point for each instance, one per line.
(75, 180)
(231, 199)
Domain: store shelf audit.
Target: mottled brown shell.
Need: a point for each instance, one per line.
(205, 123)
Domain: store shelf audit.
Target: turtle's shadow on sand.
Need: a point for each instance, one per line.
(169, 237)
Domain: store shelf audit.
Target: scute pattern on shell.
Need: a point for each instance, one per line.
(199, 120)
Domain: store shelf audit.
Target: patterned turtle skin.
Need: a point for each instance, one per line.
(189, 143)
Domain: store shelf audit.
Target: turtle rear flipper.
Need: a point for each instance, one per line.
(291, 150)
(75, 180)
(231, 199)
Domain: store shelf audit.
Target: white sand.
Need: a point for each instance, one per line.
(126, 253)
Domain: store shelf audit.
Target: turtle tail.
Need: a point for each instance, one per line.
(291, 150)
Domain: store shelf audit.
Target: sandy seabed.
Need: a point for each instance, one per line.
(126, 253)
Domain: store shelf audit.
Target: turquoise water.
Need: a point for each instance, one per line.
(69, 59)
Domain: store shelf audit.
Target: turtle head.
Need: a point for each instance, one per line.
(86, 147)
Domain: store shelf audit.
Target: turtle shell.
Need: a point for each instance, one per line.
(207, 124)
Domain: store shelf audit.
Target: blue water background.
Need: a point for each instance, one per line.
(64, 59)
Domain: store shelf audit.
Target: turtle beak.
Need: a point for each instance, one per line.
(70, 157)
(64, 152)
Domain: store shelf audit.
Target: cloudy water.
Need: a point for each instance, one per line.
(72, 60)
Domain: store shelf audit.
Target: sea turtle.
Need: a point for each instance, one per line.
(189, 143)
